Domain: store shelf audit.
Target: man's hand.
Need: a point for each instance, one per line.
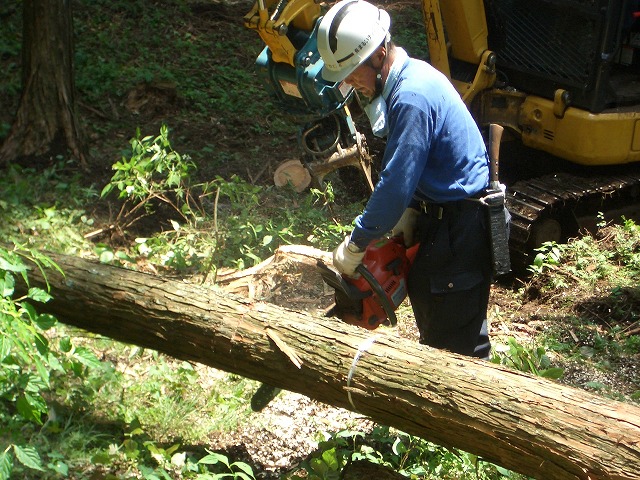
(406, 227)
(347, 257)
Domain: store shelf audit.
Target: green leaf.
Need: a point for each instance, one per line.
(45, 321)
(319, 466)
(87, 358)
(102, 458)
(545, 362)
(59, 467)
(106, 256)
(244, 467)
(7, 285)
(42, 344)
(65, 344)
(172, 449)
(553, 372)
(124, 256)
(16, 266)
(503, 471)
(214, 458)
(6, 465)
(28, 456)
(106, 190)
(32, 407)
(55, 364)
(29, 310)
(173, 179)
(5, 348)
(329, 457)
(244, 476)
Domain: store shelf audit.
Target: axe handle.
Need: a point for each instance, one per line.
(495, 135)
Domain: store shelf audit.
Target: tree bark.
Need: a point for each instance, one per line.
(527, 424)
(46, 123)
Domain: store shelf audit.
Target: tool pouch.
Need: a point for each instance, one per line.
(498, 227)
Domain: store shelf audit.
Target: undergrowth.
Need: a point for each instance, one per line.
(127, 411)
(212, 224)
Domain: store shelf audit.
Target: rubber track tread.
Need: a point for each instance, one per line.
(531, 201)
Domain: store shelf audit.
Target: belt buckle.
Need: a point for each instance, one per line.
(431, 209)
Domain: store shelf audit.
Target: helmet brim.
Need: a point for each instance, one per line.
(339, 75)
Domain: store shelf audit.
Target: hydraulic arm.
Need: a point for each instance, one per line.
(290, 69)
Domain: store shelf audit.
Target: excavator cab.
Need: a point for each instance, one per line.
(543, 68)
(587, 49)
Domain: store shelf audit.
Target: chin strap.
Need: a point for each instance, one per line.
(378, 71)
(379, 86)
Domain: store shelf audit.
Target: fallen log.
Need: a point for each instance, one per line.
(529, 425)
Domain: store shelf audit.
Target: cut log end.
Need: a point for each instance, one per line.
(292, 172)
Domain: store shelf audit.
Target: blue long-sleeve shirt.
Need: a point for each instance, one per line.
(434, 151)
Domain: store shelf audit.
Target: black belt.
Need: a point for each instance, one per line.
(437, 210)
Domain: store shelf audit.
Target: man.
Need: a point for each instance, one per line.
(434, 170)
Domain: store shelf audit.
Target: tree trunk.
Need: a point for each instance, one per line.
(526, 424)
(46, 122)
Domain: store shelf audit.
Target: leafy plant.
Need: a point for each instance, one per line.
(29, 362)
(627, 246)
(233, 469)
(410, 456)
(153, 173)
(26, 370)
(156, 461)
(548, 256)
(46, 207)
(530, 360)
(222, 222)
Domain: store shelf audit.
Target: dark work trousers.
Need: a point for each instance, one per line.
(450, 279)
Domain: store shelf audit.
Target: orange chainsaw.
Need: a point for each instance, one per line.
(371, 298)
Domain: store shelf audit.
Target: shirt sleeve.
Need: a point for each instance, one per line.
(405, 157)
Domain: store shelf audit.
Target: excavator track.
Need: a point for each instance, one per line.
(559, 206)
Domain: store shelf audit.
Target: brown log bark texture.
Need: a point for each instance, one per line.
(46, 122)
(527, 424)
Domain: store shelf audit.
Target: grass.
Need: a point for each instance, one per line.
(118, 418)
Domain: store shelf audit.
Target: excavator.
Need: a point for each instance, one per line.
(561, 76)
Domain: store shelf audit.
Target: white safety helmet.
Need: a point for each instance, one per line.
(348, 34)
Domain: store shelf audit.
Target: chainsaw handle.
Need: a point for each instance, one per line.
(378, 290)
